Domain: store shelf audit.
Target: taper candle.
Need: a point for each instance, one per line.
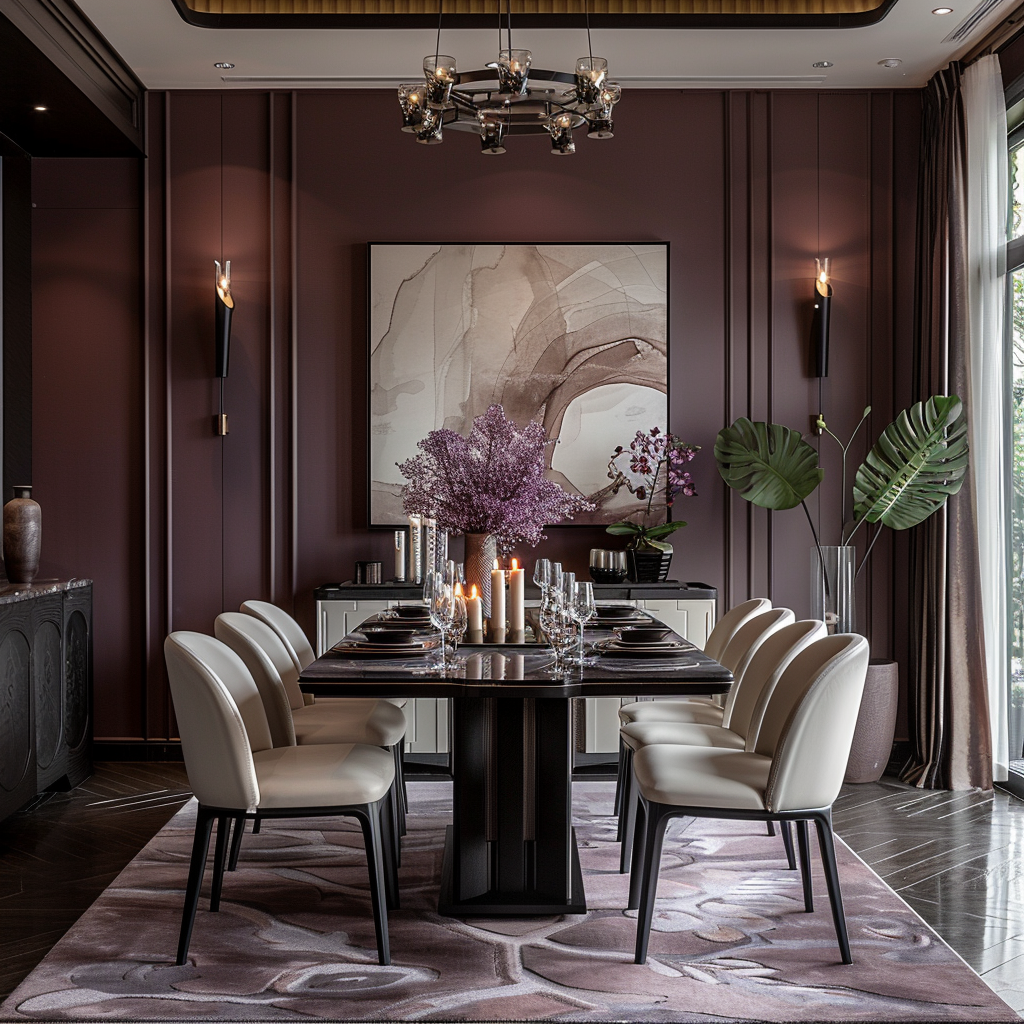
(517, 598)
(497, 604)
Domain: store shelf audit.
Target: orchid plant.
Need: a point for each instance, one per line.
(656, 463)
(490, 482)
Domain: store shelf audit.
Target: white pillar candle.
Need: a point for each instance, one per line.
(474, 611)
(497, 604)
(415, 574)
(517, 599)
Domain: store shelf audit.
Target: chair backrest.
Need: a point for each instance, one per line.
(762, 674)
(810, 720)
(730, 622)
(271, 667)
(286, 628)
(749, 637)
(220, 719)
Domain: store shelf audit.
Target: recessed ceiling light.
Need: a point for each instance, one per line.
(822, 64)
(942, 10)
(40, 108)
(223, 65)
(890, 62)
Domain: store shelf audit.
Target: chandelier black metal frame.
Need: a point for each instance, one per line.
(503, 98)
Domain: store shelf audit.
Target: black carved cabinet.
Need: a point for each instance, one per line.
(45, 689)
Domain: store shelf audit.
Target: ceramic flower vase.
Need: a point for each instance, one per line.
(22, 536)
(481, 550)
(647, 565)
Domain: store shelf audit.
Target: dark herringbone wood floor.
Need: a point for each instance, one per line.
(956, 858)
(61, 852)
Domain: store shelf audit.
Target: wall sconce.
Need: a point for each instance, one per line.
(819, 323)
(223, 308)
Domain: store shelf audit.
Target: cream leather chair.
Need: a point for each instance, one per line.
(740, 721)
(290, 632)
(794, 773)
(353, 720)
(741, 647)
(235, 771)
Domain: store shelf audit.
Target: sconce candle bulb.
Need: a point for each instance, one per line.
(223, 308)
(820, 320)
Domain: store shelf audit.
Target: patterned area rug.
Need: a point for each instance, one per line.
(294, 938)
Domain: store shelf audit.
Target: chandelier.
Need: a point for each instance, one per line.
(509, 97)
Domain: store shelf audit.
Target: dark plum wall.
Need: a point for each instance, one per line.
(179, 524)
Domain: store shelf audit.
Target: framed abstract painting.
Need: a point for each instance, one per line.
(574, 336)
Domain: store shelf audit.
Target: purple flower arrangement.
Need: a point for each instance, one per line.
(656, 461)
(490, 482)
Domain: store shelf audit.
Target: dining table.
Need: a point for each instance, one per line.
(511, 848)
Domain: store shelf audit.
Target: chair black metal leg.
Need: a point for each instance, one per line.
(654, 837)
(369, 819)
(393, 807)
(389, 843)
(636, 866)
(626, 767)
(219, 857)
(402, 801)
(771, 828)
(805, 864)
(823, 821)
(630, 796)
(200, 844)
(256, 825)
(236, 842)
(619, 775)
(787, 841)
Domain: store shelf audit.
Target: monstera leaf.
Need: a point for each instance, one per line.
(917, 463)
(769, 464)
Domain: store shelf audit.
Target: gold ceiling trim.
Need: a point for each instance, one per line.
(399, 8)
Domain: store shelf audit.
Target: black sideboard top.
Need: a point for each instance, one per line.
(670, 590)
(12, 592)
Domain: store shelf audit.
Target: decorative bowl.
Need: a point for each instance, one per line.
(643, 634)
(389, 636)
(599, 575)
(412, 611)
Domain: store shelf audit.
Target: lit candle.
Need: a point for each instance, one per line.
(474, 611)
(517, 599)
(497, 604)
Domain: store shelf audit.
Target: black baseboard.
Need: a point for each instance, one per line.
(136, 750)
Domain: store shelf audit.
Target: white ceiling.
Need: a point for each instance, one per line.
(167, 53)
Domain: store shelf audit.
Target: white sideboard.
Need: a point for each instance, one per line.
(688, 608)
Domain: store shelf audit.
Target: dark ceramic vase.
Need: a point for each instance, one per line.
(647, 565)
(22, 536)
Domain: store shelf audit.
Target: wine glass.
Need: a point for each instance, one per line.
(542, 573)
(440, 608)
(584, 608)
(459, 620)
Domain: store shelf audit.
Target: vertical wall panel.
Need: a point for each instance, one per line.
(195, 134)
(794, 391)
(246, 491)
(87, 409)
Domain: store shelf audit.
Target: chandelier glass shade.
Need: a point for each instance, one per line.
(510, 97)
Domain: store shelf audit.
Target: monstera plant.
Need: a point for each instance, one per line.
(919, 460)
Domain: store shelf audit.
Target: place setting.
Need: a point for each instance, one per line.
(396, 633)
(642, 642)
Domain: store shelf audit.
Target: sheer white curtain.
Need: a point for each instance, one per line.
(985, 123)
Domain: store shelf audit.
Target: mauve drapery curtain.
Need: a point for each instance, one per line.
(950, 736)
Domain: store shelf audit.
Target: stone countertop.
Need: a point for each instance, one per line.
(13, 592)
(671, 590)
